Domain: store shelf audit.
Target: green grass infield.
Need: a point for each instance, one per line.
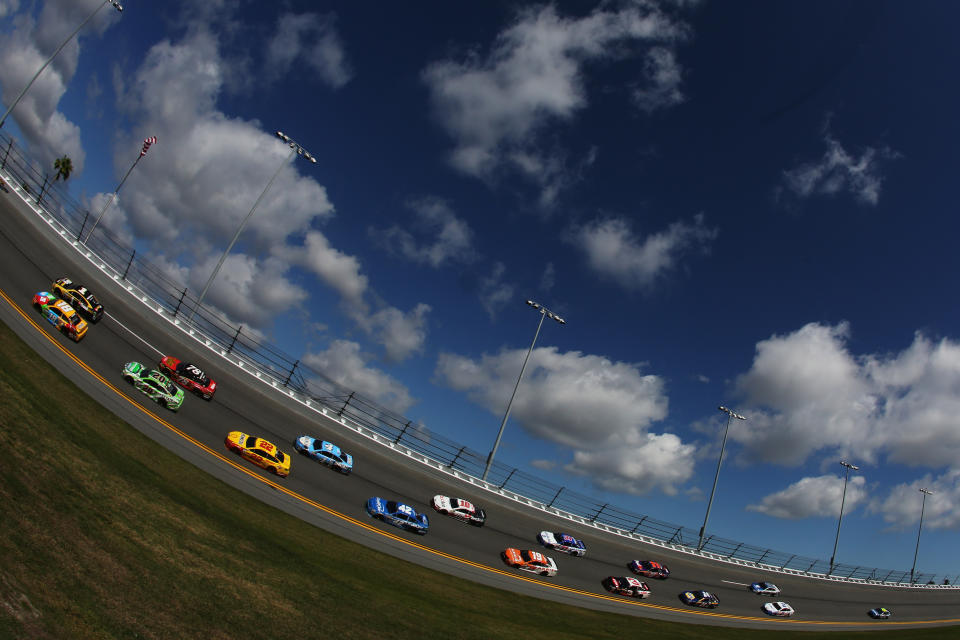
(105, 534)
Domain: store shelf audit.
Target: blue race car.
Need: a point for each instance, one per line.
(765, 588)
(325, 453)
(700, 599)
(398, 514)
(880, 613)
(562, 542)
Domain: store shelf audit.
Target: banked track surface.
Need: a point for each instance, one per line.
(30, 260)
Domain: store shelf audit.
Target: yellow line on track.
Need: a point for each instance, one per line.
(392, 536)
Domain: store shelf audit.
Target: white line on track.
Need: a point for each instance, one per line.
(159, 353)
(742, 584)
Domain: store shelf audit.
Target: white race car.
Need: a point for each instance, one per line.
(779, 609)
(461, 509)
(562, 542)
(765, 589)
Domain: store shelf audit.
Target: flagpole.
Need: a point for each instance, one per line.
(113, 197)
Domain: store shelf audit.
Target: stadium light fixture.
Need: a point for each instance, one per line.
(730, 415)
(544, 313)
(295, 149)
(849, 468)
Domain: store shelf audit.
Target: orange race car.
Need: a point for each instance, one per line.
(532, 561)
(260, 452)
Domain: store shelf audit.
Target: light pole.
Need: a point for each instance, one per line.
(730, 415)
(116, 5)
(113, 198)
(295, 149)
(925, 492)
(842, 500)
(544, 313)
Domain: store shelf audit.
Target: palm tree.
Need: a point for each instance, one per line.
(64, 167)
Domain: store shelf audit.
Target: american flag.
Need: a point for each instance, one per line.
(146, 145)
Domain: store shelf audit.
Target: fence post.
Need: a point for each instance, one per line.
(84, 224)
(888, 575)
(344, 407)
(734, 552)
(455, 458)
(130, 262)
(853, 572)
(290, 375)
(811, 566)
(788, 561)
(42, 188)
(234, 341)
(597, 514)
(676, 534)
(402, 431)
(555, 497)
(639, 523)
(177, 310)
(7, 154)
(512, 471)
(760, 561)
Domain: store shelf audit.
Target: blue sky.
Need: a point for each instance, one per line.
(746, 204)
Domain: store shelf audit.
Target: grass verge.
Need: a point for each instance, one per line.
(104, 534)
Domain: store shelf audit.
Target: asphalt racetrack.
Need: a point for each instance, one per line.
(30, 259)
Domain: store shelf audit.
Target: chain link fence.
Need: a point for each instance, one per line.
(286, 371)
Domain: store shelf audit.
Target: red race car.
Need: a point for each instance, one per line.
(189, 376)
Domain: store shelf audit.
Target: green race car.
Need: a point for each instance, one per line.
(154, 384)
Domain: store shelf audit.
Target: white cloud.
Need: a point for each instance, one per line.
(344, 363)
(450, 237)
(806, 392)
(663, 76)
(494, 292)
(8, 7)
(599, 408)
(901, 508)
(313, 39)
(496, 107)
(837, 171)
(549, 277)
(24, 49)
(401, 334)
(814, 497)
(615, 251)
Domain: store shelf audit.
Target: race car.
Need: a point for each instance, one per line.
(703, 599)
(779, 609)
(532, 561)
(325, 453)
(880, 613)
(81, 298)
(650, 569)
(60, 314)
(189, 376)
(461, 509)
(765, 588)
(630, 587)
(258, 451)
(398, 514)
(154, 384)
(562, 542)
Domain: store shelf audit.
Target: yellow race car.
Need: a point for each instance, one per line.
(260, 452)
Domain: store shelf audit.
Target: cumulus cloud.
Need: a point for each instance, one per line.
(401, 333)
(494, 292)
(615, 251)
(448, 238)
(601, 409)
(814, 497)
(496, 106)
(24, 49)
(805, 392)
(312, 39)
(838, 171)
(345, 364)
(901, 507)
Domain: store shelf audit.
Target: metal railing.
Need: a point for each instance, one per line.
(288, 372)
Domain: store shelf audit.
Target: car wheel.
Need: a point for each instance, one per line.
(162, 402)
(544, 573)
(273, 470)
(128, 379)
